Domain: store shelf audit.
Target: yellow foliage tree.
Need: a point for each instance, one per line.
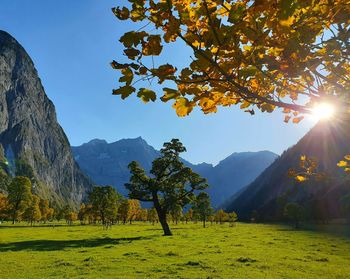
(254, 54)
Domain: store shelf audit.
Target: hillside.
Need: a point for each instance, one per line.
(106, 163)
(328, 142)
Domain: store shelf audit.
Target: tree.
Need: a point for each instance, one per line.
(232, 218)
(19, 195)
(171, 182)
(176, 213)
(152, 215)
(189, 215)
(44, 209)
(3, 206)
(133, 209)
(71, 217)
(294, 212)
(220, 216)
(123, 211)
(256, 54)
(104, 201)
(202, 207)
(33, 212)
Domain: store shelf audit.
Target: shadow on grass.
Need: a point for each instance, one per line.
(55, 245)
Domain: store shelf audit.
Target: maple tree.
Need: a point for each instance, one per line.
(262, 54)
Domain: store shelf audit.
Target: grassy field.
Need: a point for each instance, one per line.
(139, 251)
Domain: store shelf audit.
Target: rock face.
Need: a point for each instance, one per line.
(107, 164)
(328, 142)
(29, 130)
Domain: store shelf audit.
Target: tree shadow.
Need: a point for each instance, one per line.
(56, 245)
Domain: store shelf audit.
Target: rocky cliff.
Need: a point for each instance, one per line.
(29, 131)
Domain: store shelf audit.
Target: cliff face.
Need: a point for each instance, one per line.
(29, 130)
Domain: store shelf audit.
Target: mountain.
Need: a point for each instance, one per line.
(30, 137)
(106, 163)
(327, 142)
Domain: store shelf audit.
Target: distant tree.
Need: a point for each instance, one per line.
(152, 215)
(221, 216)
(294, 212)
(171, 182)
(142, 215)
(202, 207)
(3, 207)
(71, 217)
(19, 196)
(189, 215)
(123, 211)
(104, 201)
(176, 213)
(232, 218)
(133, 210)
(44, 209)
(33, 212)
(50, 214)
(82, 213)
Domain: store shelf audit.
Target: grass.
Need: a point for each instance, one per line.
(139, 251)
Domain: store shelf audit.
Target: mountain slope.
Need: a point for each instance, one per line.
(328, 142)
(29, 132)
(107, 164)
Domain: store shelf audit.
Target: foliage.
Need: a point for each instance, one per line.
(171, 184)
(33, 212)
(220, 216)
(134, 208)
(202, 207)
(255, 54)
(345, 163)
(308, 168)
(19, 195)
(104, 201)
(232, 218)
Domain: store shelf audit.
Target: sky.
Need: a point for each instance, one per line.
(72, 44)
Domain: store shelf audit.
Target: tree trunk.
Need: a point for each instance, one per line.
(203, 223)
(161, 215)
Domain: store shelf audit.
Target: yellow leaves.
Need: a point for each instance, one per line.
(287, 22)
(146, 95)
(345, 164)
(182, 106)
(300, 178)
(152, 46)
(342, 164)
(208, 105)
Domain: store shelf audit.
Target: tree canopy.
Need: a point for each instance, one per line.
(170, 185)
(257, 54)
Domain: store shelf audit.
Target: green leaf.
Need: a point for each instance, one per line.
(124, 91)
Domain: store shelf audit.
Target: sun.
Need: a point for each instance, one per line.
(323, 111)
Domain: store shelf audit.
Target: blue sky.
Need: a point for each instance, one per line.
(72, 44)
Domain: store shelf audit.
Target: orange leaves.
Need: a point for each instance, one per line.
(307, 170)
(266, 52)
(153, 45)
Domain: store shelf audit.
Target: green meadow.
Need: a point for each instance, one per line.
(140, 251)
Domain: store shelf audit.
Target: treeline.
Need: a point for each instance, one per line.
(20, 204)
